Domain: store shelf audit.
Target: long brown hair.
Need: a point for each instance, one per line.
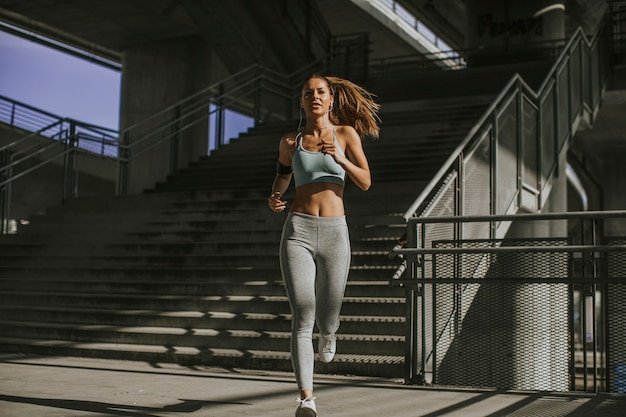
(353, 106)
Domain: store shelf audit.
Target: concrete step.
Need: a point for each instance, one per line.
(264, 243)
(380, 325)
(188, 271)
(364, 273)
(278, 304)
(266, 256)
(388, 366)
(201, 338)
(166, 285)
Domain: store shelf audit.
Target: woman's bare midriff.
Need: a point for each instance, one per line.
(322, 199)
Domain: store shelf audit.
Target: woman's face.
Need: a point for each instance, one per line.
(316, 97)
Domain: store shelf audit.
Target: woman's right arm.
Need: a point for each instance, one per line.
(282, 179)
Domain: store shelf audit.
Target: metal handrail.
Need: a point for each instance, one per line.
(563, 122)
(515, 84)
(243, 91)
(42, 123)
(63, 138)
(596, 247)
(77, 136)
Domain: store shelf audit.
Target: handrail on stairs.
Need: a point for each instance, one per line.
(256, 90)
(577, 78)
(265, 94)
(509, 159)
(24, 117)
(51, 138)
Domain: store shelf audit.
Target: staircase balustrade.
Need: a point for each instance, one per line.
(265, 94)
(506, 164)
(61, 140)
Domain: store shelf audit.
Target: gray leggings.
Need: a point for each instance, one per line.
(314, 260)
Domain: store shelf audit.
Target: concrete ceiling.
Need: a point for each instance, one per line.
(273, 33)
(238, 30)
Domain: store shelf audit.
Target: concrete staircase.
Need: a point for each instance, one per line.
(188, 271)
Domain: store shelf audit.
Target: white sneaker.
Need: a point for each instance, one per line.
(326, 348)
(306, 408)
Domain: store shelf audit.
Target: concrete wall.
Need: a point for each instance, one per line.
(154, 77)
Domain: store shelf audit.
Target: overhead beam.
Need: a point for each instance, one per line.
(41, 33)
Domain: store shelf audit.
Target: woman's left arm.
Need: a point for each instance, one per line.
(355, 163)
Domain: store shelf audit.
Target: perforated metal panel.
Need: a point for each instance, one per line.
(443, 205)
(509, 332)
(507, 168)
(531, 312)
(616, 314)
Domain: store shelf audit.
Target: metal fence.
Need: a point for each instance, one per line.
(539, 309)
(526, 311)
(53, 142)
(95, 139)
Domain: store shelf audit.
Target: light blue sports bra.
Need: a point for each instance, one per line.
(311, 167)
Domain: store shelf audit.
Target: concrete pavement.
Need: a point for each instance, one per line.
(34, 386)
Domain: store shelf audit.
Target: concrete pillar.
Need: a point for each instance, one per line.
(505, 31)
(154, 77)
(540, 339)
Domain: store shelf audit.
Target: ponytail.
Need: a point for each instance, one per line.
(353, 106)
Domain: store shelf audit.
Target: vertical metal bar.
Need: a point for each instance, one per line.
(434, 322)
(423, 357)
(124, 162)
(583, 314)
(572, 326)
(600, 319)
(12, 114)
(555, 118)
(411, 311)
(520, 144)
(5, 200)
(604, 305)
(594, 272)
(595, 333)
(219, 117)
(75, 171)
(493, 155)
(409, 357)
(69, 172)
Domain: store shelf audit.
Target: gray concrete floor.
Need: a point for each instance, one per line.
(33, 386)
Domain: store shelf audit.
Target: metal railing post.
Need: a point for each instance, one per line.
(70, 172)
(414, 362)
(123, 165)
(5, 192)
(12, 114)
(219, 117)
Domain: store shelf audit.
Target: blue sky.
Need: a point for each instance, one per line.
(58, 83)
(67, 86)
